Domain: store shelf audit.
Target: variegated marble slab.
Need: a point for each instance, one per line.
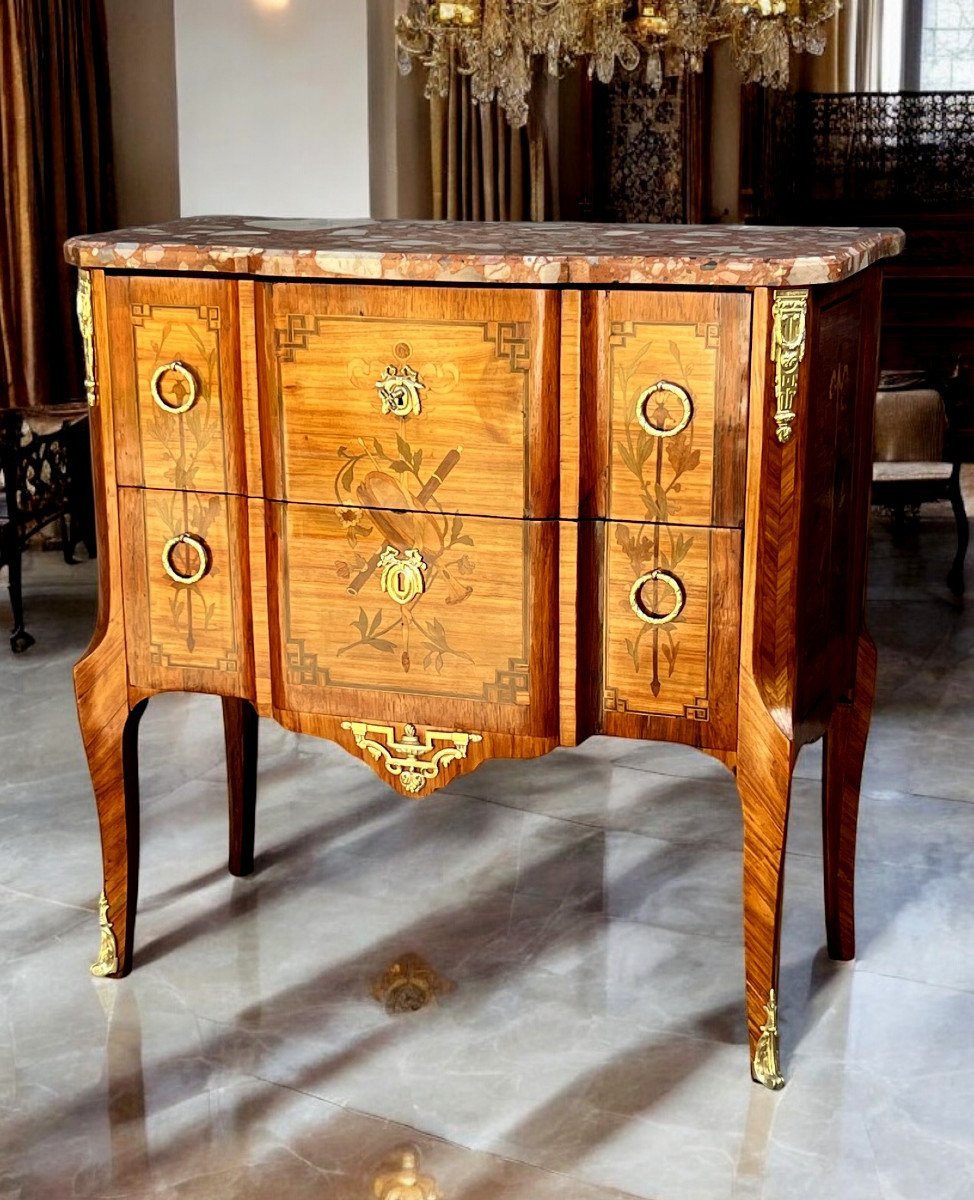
(492, 252)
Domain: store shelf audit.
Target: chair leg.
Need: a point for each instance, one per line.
(20, 639)
(955, 577)
(240, 736)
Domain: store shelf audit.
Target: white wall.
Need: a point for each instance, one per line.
(273, 107)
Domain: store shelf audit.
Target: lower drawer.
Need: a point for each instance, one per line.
(420, 618)
(671, 598)
(186, 591)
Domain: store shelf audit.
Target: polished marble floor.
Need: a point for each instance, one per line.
(586, 908)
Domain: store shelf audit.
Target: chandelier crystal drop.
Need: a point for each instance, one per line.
(497, 43)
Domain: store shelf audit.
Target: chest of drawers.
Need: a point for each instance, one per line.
(447, 493)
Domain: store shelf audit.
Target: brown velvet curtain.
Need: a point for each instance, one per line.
(55, 155)
(483, 169)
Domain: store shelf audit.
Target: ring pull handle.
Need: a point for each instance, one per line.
(638, 605)
(673, 389)
(189, 383)
(198, 548)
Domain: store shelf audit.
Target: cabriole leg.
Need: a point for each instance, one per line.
(764, 771)
(112, 749)
(240, 734)
(845, 749)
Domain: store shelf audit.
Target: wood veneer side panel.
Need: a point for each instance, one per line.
(118, 382)
(260, 605)
(773, 526)
(106, 650)
(569, 377)
(761, 376)
(590, 623)
(730, 413)
(249, 406)
(570, 399)
(596, 407)
(269, 415)
(232, 390)
(568, 639)
(544, 414)
(836, 495)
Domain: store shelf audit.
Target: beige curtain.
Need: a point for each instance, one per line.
(853, 52)
(55, 156)
(869, 41)
(483, 169)
(833, 70)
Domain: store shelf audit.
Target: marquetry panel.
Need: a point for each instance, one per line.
(670, 669)
(476, 638)
(675, 367)
(191, 637)
(433, 401)
(193, 324)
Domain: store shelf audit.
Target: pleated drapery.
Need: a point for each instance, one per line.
(483, 169)
(55, 155)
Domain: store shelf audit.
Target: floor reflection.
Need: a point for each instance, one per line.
(583, 910)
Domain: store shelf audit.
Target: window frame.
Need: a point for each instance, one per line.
(912, 46)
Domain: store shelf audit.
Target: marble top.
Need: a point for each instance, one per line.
(492, 252)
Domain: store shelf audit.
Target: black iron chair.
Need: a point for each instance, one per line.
(45, 478)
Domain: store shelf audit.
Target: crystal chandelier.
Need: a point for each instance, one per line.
(497, 42)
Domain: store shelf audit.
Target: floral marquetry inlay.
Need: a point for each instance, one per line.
(657, 607)
(349, 385)
(177, 361)
(191, 612)
(663, 387)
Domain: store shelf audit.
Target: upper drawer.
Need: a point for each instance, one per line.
(411, 397)
(666, 441)
(176, 383)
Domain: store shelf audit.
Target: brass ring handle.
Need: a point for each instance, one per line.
(186, 539)
(185, 373)
(647, 615)
(642, 404)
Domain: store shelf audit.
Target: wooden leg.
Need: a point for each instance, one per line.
(240, 734)
(845, 749)
(765, 763)
(112, 749)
